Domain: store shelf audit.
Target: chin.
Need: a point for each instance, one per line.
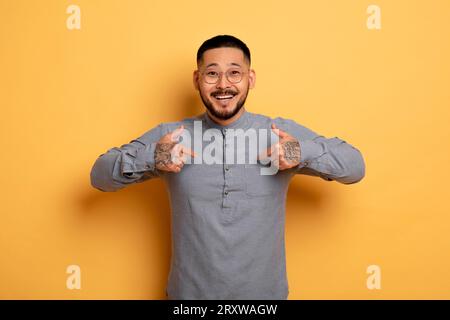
(226, 111)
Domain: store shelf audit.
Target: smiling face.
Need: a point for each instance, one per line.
(223, 99)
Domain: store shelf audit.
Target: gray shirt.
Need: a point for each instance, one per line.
(227, 219)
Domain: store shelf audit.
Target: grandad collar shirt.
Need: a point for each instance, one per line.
(227, 219)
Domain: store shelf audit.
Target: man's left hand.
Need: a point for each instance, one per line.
(286, 152)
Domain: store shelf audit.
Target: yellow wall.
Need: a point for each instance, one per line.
(67, 96)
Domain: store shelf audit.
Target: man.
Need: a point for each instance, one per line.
(227, 218)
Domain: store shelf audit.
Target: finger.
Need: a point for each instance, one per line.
(166, 167)
(176, 161)
(180, 164)
(176, 133)
(274, 151)
(189, 152)
(179, 160)
(175, 152)
(174, 168)
(275, 163)
(265, 154)
(279, 132)
(283, 162)
(281, 150)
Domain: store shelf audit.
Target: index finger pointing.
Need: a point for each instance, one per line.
(189, 151)
(279, 132)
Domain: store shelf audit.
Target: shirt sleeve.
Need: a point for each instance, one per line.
(328, 158)
(131, 163)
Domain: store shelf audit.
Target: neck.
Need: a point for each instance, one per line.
(228, 121)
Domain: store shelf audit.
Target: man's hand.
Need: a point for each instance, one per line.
(169, 154)
(286, 152)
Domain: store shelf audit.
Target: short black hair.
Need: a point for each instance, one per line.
(223, 41)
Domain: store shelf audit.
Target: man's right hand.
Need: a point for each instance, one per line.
(169, 154)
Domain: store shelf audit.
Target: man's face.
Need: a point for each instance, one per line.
(223, 99)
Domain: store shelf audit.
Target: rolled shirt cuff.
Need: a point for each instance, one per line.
(139, 160)
(309, 150)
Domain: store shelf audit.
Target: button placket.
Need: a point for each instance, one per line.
(225, 201)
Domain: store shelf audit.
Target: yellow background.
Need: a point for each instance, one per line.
(67, 96)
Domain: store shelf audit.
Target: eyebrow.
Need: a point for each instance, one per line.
(230, 64)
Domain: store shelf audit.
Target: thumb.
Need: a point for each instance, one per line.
(176, 133)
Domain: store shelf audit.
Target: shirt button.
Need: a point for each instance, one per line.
(226, 168)
(226, 192)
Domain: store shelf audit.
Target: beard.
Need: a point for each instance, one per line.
(224, 114)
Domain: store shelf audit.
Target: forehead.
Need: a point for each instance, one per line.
(223, 57)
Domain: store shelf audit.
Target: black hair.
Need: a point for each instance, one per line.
(223, 41)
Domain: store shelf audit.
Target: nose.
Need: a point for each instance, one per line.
(222, 82)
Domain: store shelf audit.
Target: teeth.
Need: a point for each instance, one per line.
(224, 97)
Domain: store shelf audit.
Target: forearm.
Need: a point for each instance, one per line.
(332, 159)
(328, 158)
(117, 168)
(131, 163)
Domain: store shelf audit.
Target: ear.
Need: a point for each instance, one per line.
(195, 76)
(252, 78)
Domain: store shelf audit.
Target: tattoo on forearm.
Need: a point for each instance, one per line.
(292, 151)
(163, 153)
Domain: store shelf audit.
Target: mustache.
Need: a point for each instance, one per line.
(225, 92)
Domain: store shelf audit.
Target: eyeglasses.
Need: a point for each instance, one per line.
(213, 76)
